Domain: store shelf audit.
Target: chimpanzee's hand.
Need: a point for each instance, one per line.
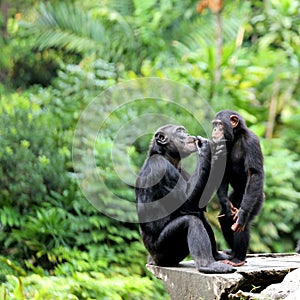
(240, 218)
(234, 212)
(236, 227)
(218, 150)
(203, 146)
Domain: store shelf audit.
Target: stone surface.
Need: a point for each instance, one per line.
(260, 271)
(289, 285)
(288, 289)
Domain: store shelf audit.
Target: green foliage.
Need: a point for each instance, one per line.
(45, 221)
(27, 148)
(277, 25)
(71, 29)
(57, 21)
(82, 285)
(278, 226)
(54, 243)
(21, 64)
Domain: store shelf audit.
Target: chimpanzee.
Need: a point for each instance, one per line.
(171, 222)
(298, 247)
(245, 174)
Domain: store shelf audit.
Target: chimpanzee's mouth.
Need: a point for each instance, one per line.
(192, 145)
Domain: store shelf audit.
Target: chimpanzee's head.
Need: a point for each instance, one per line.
(174, 141)
(226, 125)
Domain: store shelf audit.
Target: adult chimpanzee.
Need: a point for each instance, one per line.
(171, 222)
(244, 172)
(298, 247)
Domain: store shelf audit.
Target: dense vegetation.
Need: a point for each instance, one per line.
(57, 57)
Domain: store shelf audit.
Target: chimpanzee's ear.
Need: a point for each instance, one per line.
(161, 138)
(234, 120)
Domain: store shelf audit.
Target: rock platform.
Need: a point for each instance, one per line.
(260, 271)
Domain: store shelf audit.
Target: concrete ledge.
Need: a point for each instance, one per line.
(261, 270)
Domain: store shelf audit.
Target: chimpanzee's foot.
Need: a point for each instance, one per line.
(234, 262)
(228, 252)
(222, 256)
(216, 267)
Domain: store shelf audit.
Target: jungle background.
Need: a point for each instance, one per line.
(57, 56)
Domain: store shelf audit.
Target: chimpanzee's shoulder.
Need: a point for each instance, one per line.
(250, 138)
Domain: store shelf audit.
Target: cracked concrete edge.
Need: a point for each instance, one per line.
(287, 289)
(193, 287)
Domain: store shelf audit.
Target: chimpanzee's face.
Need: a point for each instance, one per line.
(176, 140)
(218, 131)
(224, 126)
(185, 143)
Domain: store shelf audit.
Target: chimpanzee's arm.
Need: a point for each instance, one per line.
(223, 196)
(253, 195)
(160, 180)
(196, 183)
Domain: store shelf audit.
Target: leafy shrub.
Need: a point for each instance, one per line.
(277, 228)
(31, 166)
(46, 223)
(92, 285)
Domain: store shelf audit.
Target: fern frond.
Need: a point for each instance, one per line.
(64, 26)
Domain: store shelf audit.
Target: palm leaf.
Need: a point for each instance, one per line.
(100, 30)
(64, 26)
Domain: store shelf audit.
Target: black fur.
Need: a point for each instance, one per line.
(171, 234)
(298, 247)
(244, 173)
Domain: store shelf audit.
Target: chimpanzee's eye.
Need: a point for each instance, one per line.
(217, 124)
(181, 129)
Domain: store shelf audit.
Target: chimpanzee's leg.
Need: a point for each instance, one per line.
(237, 241)
(216, 254)
(200, 248)
(171, 247)
(298, 247)
(226, 223)
(184, 235)
(240, 247)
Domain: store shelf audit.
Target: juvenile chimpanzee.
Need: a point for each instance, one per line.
(171, 222)
(244, 173)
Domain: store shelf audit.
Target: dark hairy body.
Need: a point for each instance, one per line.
(298, 247)
(245, 175)
(171, 222)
